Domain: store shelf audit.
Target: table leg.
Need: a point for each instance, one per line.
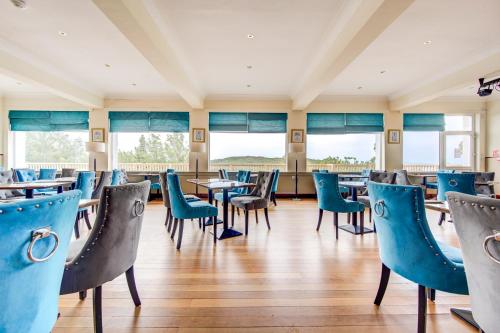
(354, 228)
(60, 189)
(226, 232)
(29, 193)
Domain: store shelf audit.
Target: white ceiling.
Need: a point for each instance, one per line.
(210, 41)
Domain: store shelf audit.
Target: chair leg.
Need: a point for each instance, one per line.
(348, 218)
(422, 309)
(442, 218)
(214, 222)
(77, 227)
(174, 228)
(132, 287)
(246, 221)
(370, 214)
(166, 219)
(181, 229)
(203, 224)
(216, 203)
(431, 294)
(97, 309)
(82, 295)
(238, 211)
(170, 221)
(267, 218)
(199, 223)
(362, 222)
(232, 216)
(86, 217)
(256, 216)
(384, 280)
(336, 224)
(319, 219)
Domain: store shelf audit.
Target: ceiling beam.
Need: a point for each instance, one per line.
(24, 71)
(459, 79)
(133, 20)
(357, 31)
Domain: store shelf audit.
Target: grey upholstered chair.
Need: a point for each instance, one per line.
(68, 172)
(402, 177)
(377, 177)
(104, 180)
(482, 188)
(477, 222)
(111, 248)
(6, 177)
(259, 198)
(166, 199)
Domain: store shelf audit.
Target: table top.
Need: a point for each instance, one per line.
(353, 184)
(32, 185)
(219, 184)
(57, 180)
(146, 174)
(353, 176)
(440, 206)
(84, 203)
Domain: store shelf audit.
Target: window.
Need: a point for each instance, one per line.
(247, 141)
(49, 139)
(341, 142)
(150, 141)
(54, 150)
(151, 151)
(247, 151)
(436, 141)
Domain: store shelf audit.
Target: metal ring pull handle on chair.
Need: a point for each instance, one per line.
(379, 208)
(495, 237)
(36, 236)
(453, 182)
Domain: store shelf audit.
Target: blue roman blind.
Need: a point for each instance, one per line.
(364, 122)
(424, 122)
(267, 122)
(253, 122)
(343, 123)
(148, 121)
(48, 121)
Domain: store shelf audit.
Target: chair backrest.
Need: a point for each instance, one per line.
(366, 172)
(104, 180)
(382, 177)
(323, 171)
(85, 183)
(111, 247)
(68, 172)
(25, 175)
(124, 177)
(455, 182)
(244, 177)
(178, 204)
(116, 177)
(484, 177)
(7, 177)
(47, 174)
(263, 185)
(328, 193)
(164, 188)
(406, 244)
(30, 289)
(223, 174)
(275, 180)
(477, 219)
(402, 177)
(169, 170)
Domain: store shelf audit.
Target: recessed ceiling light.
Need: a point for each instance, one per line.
(249, 86)
(134, 84)
(382, 71)
(62, 33)
(250, 36)
(428, 42)
(19, 83)
(107, 65)
(249, 66)
(360, 87)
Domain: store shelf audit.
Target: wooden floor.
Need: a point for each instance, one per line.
(289, 279)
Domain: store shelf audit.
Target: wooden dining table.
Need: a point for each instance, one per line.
(30, 187)
(354, 228)
(224, 185)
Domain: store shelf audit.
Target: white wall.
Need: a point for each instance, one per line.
(492, 136)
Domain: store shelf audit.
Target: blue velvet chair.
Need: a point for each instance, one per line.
(25, 175)
(30, 280)
(407, 246)
(182, 209)
(116, 177)
(330, 199)
(47, 174)
(454, 182)
(274, 189)
(85, 183)
(342, 189)
(223, 174)
(434, 185)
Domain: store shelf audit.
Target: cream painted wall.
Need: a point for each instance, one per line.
(392, 154)
(492, 136)
(3, 134)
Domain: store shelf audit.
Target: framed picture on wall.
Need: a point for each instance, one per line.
(394, 136)
(97, 134)
(198, 135)
(297, 136)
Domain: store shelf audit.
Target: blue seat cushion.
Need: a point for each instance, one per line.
(451, 252)
(432, 185)
(155, 186)
(199, 209)
(343, 189)
(231, 194)
(191, 198)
